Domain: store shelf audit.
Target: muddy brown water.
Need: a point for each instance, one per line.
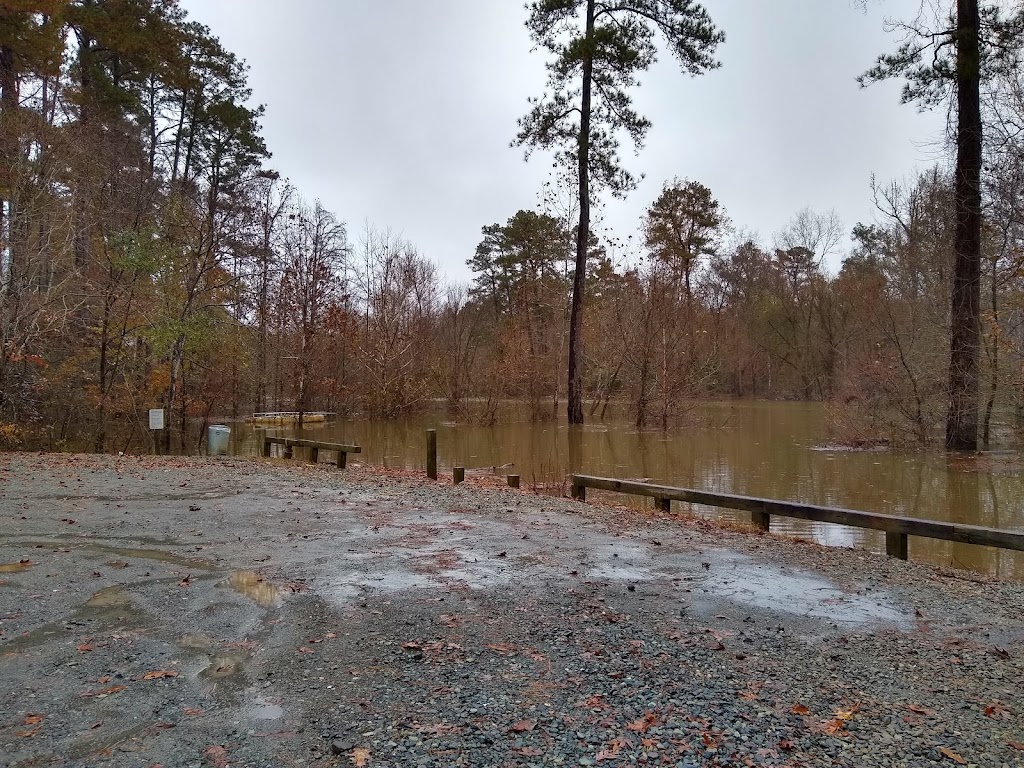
(773, 450)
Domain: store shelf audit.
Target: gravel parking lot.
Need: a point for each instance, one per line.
(194, 612)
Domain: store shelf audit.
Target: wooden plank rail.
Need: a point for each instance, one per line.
(896, 528)
(314, 446)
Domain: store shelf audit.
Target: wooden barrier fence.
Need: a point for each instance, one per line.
(314, 446)
(896, 528)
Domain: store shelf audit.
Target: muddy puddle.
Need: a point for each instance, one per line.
(743, 581)
(19, 567)
(250, 584)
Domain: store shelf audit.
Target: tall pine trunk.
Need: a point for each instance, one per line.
(965, 320)
(575, 393)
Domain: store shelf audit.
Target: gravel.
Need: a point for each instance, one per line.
(188, 612)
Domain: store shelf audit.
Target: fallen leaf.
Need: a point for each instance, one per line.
(104, 679)
(192, 711)
(1015, 745)
(83, 648)
(640, 725)
(946, 752)
(159, 674)
(304, 649)
(523, 726)
(32, 719)
(612, 750)
(919, 709)
(28, 734)
(186, 581)
(359, 756)
(217, 755)
(799, 709)
(95, 725)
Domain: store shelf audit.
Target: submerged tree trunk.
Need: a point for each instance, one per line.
(575, 393)
(965, 320)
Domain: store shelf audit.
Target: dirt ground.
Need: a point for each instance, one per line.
(190, 612)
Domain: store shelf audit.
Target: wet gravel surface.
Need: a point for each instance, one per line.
(182, 612)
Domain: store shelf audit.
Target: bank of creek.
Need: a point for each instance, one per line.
(190, 612)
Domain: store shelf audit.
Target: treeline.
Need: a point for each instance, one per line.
(150, 257)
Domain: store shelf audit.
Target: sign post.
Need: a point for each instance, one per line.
(156, 423)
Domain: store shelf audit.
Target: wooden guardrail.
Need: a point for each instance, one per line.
(315, 446)
(896, 528)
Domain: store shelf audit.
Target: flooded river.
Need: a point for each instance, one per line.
(774, 450)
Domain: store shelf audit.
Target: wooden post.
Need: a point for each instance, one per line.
(458, 475)
(761, 520)
(341, 459)
(896, 545)
(579, 492)
(314, 455)
(266, 447)
(432, 454)
(513, 481)
(663, 505)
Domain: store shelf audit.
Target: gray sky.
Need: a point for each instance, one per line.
(400, 112)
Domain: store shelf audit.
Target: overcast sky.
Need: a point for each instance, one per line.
(400, 112)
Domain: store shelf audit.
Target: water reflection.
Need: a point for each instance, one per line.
(759, 449)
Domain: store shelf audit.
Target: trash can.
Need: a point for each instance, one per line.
(217, 438)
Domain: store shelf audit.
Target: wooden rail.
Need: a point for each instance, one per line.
(315, 446)
(896, 528)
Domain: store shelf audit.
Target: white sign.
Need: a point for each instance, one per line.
(156, 418)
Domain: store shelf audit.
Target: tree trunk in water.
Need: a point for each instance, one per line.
(965, 323)
(575, 393)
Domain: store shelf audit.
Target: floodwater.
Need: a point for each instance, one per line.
(772, 450)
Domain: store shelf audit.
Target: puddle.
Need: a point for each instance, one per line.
(262, 709)
(619, 562)
(741, 580)
(111, 597)
(21, 567)
(225, 664)
(256, 588)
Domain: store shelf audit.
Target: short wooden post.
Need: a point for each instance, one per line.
(288, 450)
(513, 481)
(458, 475)
(314, 455)
(761, 520)
(896, 545)
(579, 492)
(266, 447)
(663, 505)
(432, 454)
(341, 459)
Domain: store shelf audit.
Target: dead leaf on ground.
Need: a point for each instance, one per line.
(192, 711)
(32, 719)
(919, 709)
(186, 581)
(217, 755)
(159, 674)
(28, 734)
(501, 648)
(1015, 745)
(83, 648)
(523, 726)
(947, 752)
(359, 756)
(799, 709)
(642, 724)
(612, 750)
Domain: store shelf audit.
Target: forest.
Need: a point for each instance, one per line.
(151, 256)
